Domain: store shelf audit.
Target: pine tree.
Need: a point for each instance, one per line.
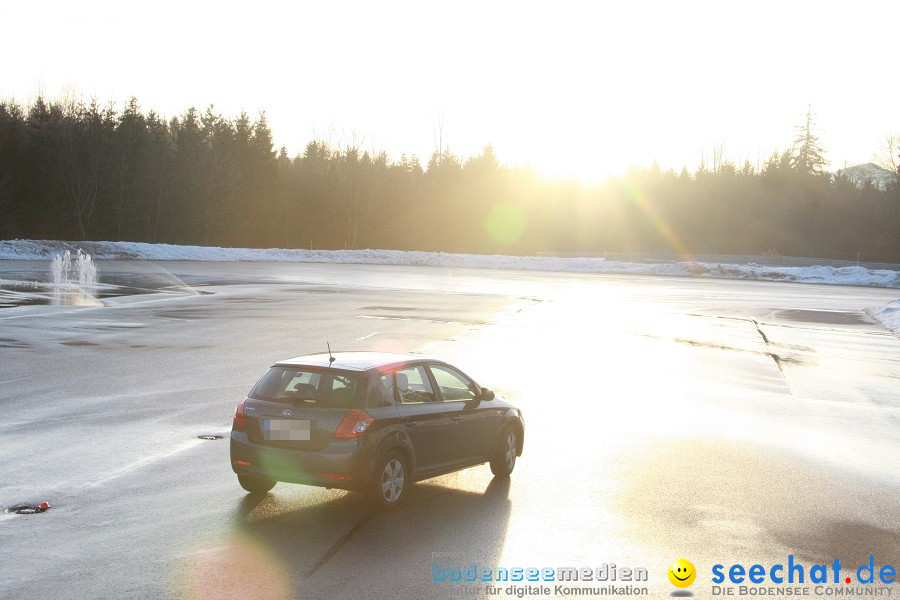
(807, 155)
(130, 143)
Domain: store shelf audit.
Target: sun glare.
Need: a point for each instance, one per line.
(577, 91)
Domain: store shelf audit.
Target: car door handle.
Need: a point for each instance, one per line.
(455, 419)
(410, 424)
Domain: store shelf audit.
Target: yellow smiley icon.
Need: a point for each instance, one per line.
(682, 573)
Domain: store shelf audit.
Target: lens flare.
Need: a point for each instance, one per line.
(275, 464)
(505, 223)
(237, 568)
(641, 200)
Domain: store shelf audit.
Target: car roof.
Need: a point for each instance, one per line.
(353, 361)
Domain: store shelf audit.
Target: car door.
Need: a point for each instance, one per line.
(424, 418)
(473, 421)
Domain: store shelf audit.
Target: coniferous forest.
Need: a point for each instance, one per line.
(74, 170)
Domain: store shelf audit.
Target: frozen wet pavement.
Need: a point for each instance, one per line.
(723, 421)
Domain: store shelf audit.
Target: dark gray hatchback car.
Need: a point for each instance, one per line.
(369, 422)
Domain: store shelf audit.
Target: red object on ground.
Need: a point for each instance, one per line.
(44, 505)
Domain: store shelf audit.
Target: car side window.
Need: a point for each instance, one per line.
(453, 384)
(382, 392)
(413, 385)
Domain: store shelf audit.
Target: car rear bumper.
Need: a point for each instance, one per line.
(343, 464)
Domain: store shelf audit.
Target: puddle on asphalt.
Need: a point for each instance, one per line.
(679, 495)
(422, 318)
(21, 288)
(826, 317)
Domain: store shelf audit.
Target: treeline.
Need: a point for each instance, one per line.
(85, 171)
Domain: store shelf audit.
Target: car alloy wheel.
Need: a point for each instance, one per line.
(511, 450)
(393, 480)
(504, 459)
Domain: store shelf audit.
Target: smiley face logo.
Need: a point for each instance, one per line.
(682, 573)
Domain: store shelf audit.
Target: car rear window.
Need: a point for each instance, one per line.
(328, 388)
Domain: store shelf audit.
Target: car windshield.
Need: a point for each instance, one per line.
(292, 384)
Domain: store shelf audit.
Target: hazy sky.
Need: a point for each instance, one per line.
(578, 89)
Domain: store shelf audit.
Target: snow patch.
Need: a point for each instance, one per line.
(46, 250)
(888, 315)
(879, 177)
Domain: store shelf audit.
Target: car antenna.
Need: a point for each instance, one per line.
(331, 359)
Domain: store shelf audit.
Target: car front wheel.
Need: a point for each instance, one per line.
(504, 459)
(389, 483)
(256, 485)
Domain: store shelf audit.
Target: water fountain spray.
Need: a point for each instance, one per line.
(74, 282)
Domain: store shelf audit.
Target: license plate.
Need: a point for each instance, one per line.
(286, 430)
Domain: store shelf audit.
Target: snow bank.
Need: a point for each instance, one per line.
(888, 315)
(46, 250)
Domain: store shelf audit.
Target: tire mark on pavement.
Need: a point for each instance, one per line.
(774, 356)
(337, 545)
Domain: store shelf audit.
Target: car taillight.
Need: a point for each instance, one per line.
(240, 421)
(354, 424)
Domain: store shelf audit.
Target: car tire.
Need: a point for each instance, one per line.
(389, 481)
(255, 484)
(504, 460)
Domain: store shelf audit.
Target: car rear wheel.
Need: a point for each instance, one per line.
(388, 486)
(504, 459)
(255, 484)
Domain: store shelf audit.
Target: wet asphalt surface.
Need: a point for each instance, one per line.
(723, 421)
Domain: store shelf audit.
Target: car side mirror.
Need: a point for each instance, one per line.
(487, 394)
